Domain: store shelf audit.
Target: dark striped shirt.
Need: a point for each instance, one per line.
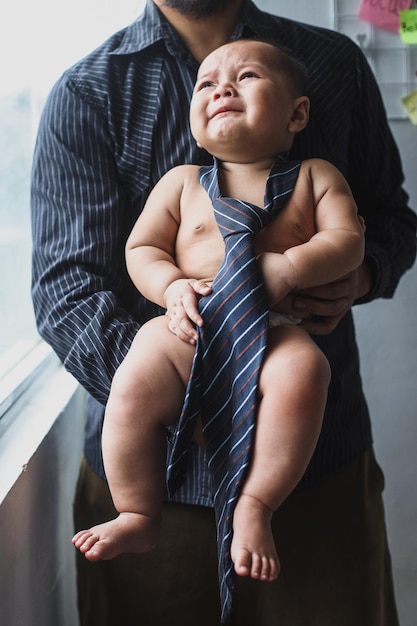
(113, 125)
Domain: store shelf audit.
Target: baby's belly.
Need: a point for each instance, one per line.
(201, 260)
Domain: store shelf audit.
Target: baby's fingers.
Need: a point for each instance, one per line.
(191, 309)
(190, 302)
(183, 328)
(200, 286)
(189, 335)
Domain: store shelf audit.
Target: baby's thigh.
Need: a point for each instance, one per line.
(292, 358)
(159, 353)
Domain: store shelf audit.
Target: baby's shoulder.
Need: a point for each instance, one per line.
(182, 172)
(179, 178)
(320, 174)
(317, 168)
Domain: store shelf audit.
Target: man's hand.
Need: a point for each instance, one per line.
(322, 308)
(181, 298)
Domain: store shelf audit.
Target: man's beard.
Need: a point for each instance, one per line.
(196, 8)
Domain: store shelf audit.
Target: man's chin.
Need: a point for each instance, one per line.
(196, 8)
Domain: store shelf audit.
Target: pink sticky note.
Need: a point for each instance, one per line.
(383, 13)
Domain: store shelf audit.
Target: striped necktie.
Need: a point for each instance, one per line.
(222, 389)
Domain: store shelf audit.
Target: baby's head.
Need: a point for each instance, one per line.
(248, 101)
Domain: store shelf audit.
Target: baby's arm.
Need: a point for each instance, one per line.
(150, 256)
(336, 249)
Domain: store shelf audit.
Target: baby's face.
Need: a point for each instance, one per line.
(241, 100)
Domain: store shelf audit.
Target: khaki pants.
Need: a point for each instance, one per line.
(331, 540)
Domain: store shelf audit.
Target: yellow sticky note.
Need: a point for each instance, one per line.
(408, 26)
(410, 104)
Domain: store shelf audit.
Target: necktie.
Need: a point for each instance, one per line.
(222, 388)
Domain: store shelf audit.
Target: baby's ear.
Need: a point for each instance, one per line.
(300, 116)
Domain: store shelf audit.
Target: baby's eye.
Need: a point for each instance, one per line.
(205, 84)
(249, 75)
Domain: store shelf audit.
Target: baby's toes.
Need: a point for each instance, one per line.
(274, 569)
(86, 542)
(78, 537)
(265, 573)
(243, 563)
(270, 569)
(257, 565)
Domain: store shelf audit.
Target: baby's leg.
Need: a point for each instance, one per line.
(146, 395)
(293, 388)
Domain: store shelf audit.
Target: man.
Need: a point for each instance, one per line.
(113, 125)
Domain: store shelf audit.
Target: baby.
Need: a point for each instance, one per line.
(247, 105)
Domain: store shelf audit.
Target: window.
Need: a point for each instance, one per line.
(38, 40)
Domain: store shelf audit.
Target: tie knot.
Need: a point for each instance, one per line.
(235, 217)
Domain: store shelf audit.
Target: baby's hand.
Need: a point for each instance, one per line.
(181, 298)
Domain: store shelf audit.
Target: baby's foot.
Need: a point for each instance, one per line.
(253, 548)
(129, 532)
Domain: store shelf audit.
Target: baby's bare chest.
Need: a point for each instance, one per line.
(200, 246)
(292, 226)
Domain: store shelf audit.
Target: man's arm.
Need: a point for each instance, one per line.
(78, 242)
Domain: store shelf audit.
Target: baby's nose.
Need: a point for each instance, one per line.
(225, 90)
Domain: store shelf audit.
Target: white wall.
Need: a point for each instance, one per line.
(387, 336)
(37, 559)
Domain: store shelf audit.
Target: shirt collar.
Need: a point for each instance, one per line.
(151, 27)
(146, 30)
